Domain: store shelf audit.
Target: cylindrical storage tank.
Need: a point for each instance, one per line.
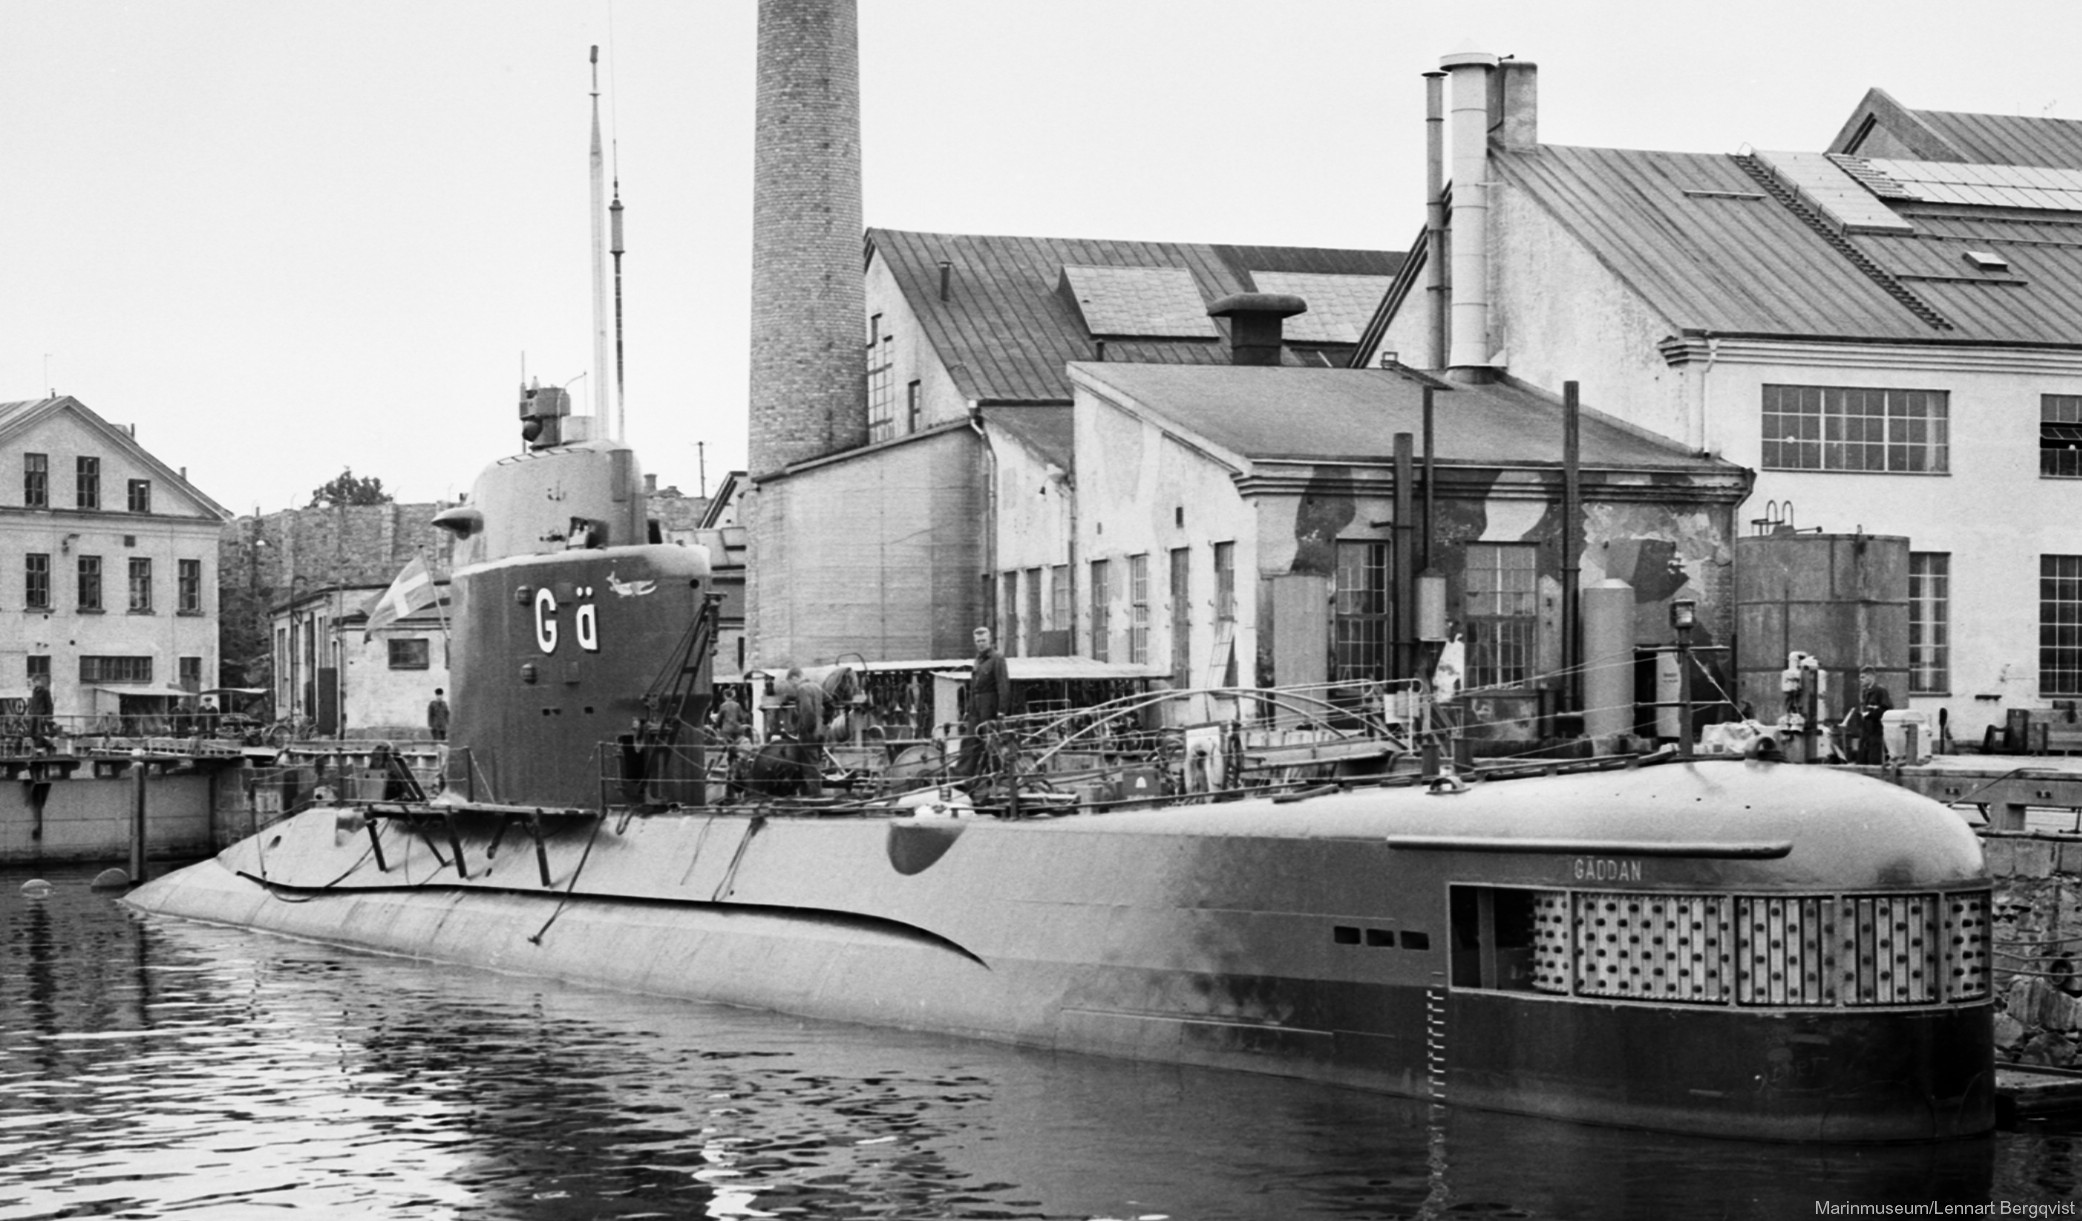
(1841, 597)
(1608, 658)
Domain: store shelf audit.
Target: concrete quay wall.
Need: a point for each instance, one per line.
(87, 817)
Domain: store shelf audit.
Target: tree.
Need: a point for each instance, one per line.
(347, 488)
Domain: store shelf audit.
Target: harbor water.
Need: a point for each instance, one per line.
(157, 1068)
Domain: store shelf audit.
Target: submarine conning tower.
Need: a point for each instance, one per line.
(572, 626)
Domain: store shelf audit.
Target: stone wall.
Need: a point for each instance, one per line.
(270, 559)
(2038, 948)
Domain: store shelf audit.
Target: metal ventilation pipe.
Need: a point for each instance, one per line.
(1469, 73)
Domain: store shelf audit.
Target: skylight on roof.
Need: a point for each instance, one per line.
(1987, 260)
(2045, 188)
(1139, 302)
(1847, 200)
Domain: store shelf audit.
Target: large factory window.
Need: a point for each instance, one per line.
(1102, 594)
(1502, 611)
(881, 406)
(2060, 436)
(2060, 625)
(1359, 612)
(1181, 617)
(1492, 937)
(1031, 580)
(1059, 598)
(1847, 428)
(1138, 609)
(1930, 628)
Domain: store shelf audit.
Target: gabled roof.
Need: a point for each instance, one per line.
(19, 417)
(1006, 330)
(1352, 415)
(1733, 245)
(1950, 135)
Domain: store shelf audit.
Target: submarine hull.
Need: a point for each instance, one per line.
(1360, 939)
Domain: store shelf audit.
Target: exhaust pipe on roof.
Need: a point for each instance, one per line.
(1469, 71)
(1255, 324)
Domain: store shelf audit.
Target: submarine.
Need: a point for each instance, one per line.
(1722, 947)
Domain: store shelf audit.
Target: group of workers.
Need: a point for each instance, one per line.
(806, 711)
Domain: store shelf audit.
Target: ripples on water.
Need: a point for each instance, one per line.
(156, 1068)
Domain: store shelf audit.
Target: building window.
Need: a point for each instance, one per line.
(1359, 613)
(1502, 611)
(282, 658)
(2060, 626)
(1138, 609)
(2060, 436)
(1059, 598)
(36, 481)
(1930, 628)
(1008, 616)
(115, 669)
(87, 483)
(1225, 582)
(408, 654)
(90, 582)
(36, 581)
(881, 404)
(140, 586)
(191, 587)
(1838, 428)
(39, 667)
(1182, 617)
(140, 496)
(191, 673)
(1102, 625)
(1033, 615)
(914, 407)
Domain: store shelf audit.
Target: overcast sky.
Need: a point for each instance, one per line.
(286, 237)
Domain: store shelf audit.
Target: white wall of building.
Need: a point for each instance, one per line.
(1150, 495)
(912, 358)
(177, 526)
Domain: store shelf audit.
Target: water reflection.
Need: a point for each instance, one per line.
(164, 1069)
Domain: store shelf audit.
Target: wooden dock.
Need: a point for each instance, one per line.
(2035, 1091)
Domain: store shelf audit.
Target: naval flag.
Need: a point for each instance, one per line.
(412, 591)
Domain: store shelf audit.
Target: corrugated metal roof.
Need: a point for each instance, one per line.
(2010, 139)
(1717, 259)
(1948, 135)
(1352, 415)
(1713, 261)
(1006, 333)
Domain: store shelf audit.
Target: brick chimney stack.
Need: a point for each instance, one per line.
(808, 391)
(809, 298)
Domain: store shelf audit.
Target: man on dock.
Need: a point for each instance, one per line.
(437, 717)
(1867, 722)
(39, 711)
(990, 697)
